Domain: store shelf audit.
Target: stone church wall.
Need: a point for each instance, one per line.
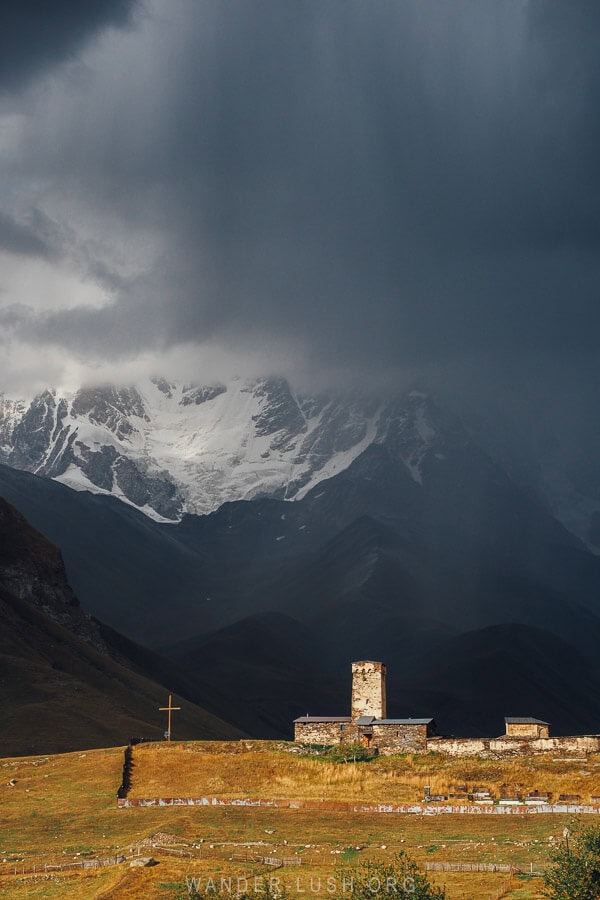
(400, 738)
(526, 730)
(319, 732)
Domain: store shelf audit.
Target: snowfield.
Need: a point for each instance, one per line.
(170, 448)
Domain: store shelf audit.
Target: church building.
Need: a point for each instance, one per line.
(526, 727)
(368, 723)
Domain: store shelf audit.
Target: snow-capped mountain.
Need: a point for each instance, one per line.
(170, 448)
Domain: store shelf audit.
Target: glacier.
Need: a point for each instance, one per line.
(171, 448)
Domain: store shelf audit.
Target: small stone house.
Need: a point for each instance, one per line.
(526, 728)
(367, 723)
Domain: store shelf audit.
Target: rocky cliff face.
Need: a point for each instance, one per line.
(32, 569)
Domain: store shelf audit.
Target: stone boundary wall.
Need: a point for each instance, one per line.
(424, 809)
(585, 743)
(413, 739)
(125, 785)
(507, 746)
(458, 746)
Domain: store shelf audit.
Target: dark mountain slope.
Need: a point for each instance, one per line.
(468, 682)
(60, 694)
(465, 524)
(64, 685)
(276, 664)
(125, 570)
(511, 670)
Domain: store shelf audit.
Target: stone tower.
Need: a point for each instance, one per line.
(368, 690)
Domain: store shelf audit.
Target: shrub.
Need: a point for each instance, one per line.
(574, 871)
(344, 753)
(399, 878)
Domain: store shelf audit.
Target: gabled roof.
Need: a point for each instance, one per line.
(523, 720)
(403, 721)
(366, 720)
(322, 719)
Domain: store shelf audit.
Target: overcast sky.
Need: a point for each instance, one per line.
(384, 189)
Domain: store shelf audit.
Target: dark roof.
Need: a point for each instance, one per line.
(523, 720)
(365, 720)
(323, 719)
(403, 721)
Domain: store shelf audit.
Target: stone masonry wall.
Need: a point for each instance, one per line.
(318, 732)
(576, 744)
(413, 739)
(459, 746)
(368, 690)
(386, 738)
(507, 746)
(527, 730)
(400, 738)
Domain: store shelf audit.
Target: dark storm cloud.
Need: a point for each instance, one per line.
(22, 239)
(35, 36)
(392, 183)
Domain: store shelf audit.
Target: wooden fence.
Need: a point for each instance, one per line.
(481, 867)
(468, 867)
(49, 868)
(41, 868)
(504, 889)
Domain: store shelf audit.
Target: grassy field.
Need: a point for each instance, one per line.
(265, 769)
(63, 808)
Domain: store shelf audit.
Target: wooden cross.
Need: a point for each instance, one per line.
(168, 709)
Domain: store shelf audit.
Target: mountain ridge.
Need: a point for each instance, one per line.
(68, 682)
(169, 448)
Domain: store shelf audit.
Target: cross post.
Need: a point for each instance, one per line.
(168, 709)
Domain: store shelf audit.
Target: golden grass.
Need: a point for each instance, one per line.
(65, 805)
(196, 769)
